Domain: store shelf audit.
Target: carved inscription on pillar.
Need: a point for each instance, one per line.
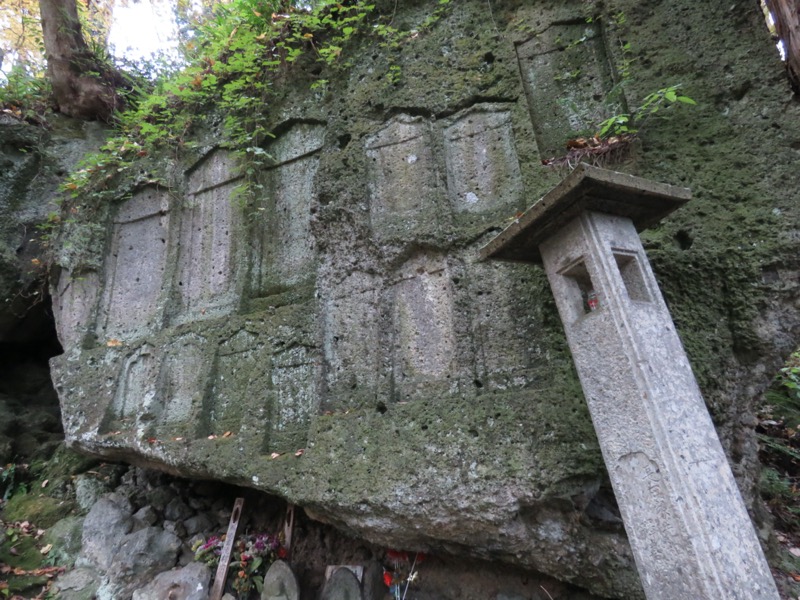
(136, 390)
(134, 273)
(239, 361)
(424, 345)
(183, 380)
(352, 321)
(403, 182)
(207, 264)
(283, 247)
(482, 166)
(74, 301)
(294, 399)
(568, 82)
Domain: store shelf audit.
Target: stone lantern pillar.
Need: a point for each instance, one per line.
(688, 527)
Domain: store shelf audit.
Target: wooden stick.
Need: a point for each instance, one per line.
(227, 550)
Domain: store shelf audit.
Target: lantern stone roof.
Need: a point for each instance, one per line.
(643, 201)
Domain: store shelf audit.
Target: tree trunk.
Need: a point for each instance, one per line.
(83, 87)
(787, 26)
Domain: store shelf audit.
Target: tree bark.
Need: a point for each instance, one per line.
(787, 26)
(83, 87)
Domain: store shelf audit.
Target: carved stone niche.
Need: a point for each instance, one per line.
(135, 271)
(210, 261)
(482, 166)
(424, 348)
(283, 248)
(404, 188)
(569, 83)
(74, 300)
(352, 317)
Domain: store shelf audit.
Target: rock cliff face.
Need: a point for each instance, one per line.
(345, 312)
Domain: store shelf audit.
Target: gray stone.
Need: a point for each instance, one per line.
(187, 583)
(567, 80)
(682, 510)
(74, 300)
(65, 536)
(146, 515)
(342, 585)
(208, 276)
(88, 489)
(424, 344)
(352, 334)
(77, 584)
(197, 524)
(177, 510)
(175, 527)
(283, 247)
(103, 529)
(138, 558)
(280, 583)
(184, 381)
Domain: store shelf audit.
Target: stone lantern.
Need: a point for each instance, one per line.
(688, 527)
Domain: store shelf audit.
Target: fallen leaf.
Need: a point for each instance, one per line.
(794, 551)
(45, 482)
(299, 452)
(36, 261)
(227, 434)
(178, 439)
(212, 437)
(275, 455)
(114, 343)
(151, 440)
(46, 549)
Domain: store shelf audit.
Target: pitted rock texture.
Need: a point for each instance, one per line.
(343, 312)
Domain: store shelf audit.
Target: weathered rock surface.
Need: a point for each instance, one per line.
(345, 312)
(187, 583)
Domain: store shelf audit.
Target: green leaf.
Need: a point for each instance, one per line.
(685, 100)
(671, 95)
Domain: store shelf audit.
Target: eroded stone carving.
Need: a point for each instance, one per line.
(183, 380)
(74, 302)
(424, 344)
(283, 247)
(568, 83)
(135, 401)
(208, 269)
(134, 273)
(352, 334)
(403, 181)
(294, 377)
(482, 165)
(237, 363)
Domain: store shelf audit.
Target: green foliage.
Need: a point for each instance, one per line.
(237, 54)
(10, 482)
(26, 95)
(628, 123)
(779, 440)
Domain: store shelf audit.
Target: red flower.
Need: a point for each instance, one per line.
(282, 552)
(387, 578)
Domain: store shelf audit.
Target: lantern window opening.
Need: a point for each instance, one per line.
(630, 270)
